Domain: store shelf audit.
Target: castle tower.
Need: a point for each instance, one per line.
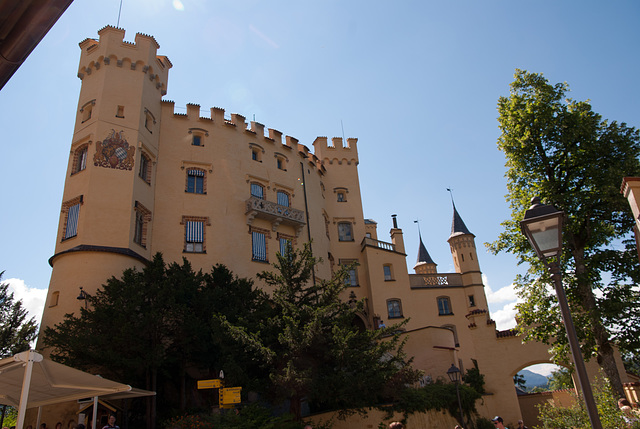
(424, 264)
(465, 260)
(108, 198)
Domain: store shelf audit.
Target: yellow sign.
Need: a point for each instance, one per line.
(230, 395)
(216, 383)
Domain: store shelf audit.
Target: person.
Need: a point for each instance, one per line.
(521, 425)
(627, 412)
(43, 426)
(457, 427)
(396, 425)
(59, 425)
(498, 422)
(112, 423)
(381, 325)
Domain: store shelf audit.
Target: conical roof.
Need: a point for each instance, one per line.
(423, 255)
(457, 225)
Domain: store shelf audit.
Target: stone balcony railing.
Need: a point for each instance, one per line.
(367, 241)
(417, 281)
(275, 213)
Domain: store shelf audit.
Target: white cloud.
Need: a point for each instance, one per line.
(501, 304)
(178, 5)
(33, 299)
(505, 294)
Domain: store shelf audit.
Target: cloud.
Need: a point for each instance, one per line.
(502, 304)
(33, 299)
(178, 5)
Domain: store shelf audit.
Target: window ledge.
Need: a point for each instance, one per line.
(389, 280)
(445, 314)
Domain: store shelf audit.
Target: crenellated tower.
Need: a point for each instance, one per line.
(108, 197)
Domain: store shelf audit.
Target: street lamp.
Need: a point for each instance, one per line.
(454, 376)
(542, 225)
(82, 297)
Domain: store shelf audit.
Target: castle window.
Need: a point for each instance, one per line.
(345, 231)
(149, 120)
(444, 306)
(256, 152)
(281, 161)
(194, 236)
(196, 140)
(257, 190)
(143, 216)
(341, 194)
(286, 243)
(120, 112)
(54, 299)
(87, 109)
(259, 245)
(472, 301)
(394, 309)
(352, 273)
(80, 159)
(283, 198)
(388, 272)
(195, 181)
(71, 213)
(145, 167)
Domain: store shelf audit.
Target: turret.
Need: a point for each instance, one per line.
(424, 264)
(463, 246)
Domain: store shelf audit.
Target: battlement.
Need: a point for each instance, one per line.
(112, 50)
(336, 151)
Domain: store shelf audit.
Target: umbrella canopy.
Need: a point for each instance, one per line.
(35, 381)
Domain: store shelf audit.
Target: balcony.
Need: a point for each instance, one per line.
(379, 244)
(274, 213)
(421, 281)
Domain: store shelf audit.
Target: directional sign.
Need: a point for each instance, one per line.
(216, 383)
(230, 395)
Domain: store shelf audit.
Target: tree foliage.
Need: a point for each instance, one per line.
(154, 329)
(16, 331)
(561, 379)
(576, 416)
(560, 150)
(312, 350)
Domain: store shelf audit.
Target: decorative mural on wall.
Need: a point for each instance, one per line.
(114, 152)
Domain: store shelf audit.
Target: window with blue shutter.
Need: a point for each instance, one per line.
(259, 246)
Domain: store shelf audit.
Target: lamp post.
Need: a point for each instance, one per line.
(542, 225)
(454, 376)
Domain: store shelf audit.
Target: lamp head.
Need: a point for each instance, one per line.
(542, 225)
(454, 373)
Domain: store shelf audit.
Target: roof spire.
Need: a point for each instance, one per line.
(457, 225)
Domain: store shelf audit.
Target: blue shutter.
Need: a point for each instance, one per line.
(72, 221)
(283, 246)
(194, 231)
(283, 198)
(259, 246)
(257, 191)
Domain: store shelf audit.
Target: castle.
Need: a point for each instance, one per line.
(143, 179)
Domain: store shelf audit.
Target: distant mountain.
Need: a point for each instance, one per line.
(533, 379)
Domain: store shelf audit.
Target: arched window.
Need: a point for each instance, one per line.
(345, 231)
(80, 159)
(444, 306)
(388, 272)
(257, 190)
(145, 167)
(394, 308)
(283, 198)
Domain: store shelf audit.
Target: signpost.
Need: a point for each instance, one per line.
(227, 397)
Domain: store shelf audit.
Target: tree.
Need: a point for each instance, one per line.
(311, 348)
(153, 327)
(561, 151)
(16, 331)
(560, 379)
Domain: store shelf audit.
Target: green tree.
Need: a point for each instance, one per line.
(311, 348)
(561, 151)
(153, 327)
(560, 379)
(16, 331)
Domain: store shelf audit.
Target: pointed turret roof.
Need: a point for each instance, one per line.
(457, 225)
(423, 255)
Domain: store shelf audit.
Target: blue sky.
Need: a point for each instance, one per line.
(416, 82)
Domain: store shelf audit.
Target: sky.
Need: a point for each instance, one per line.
(417, 82)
